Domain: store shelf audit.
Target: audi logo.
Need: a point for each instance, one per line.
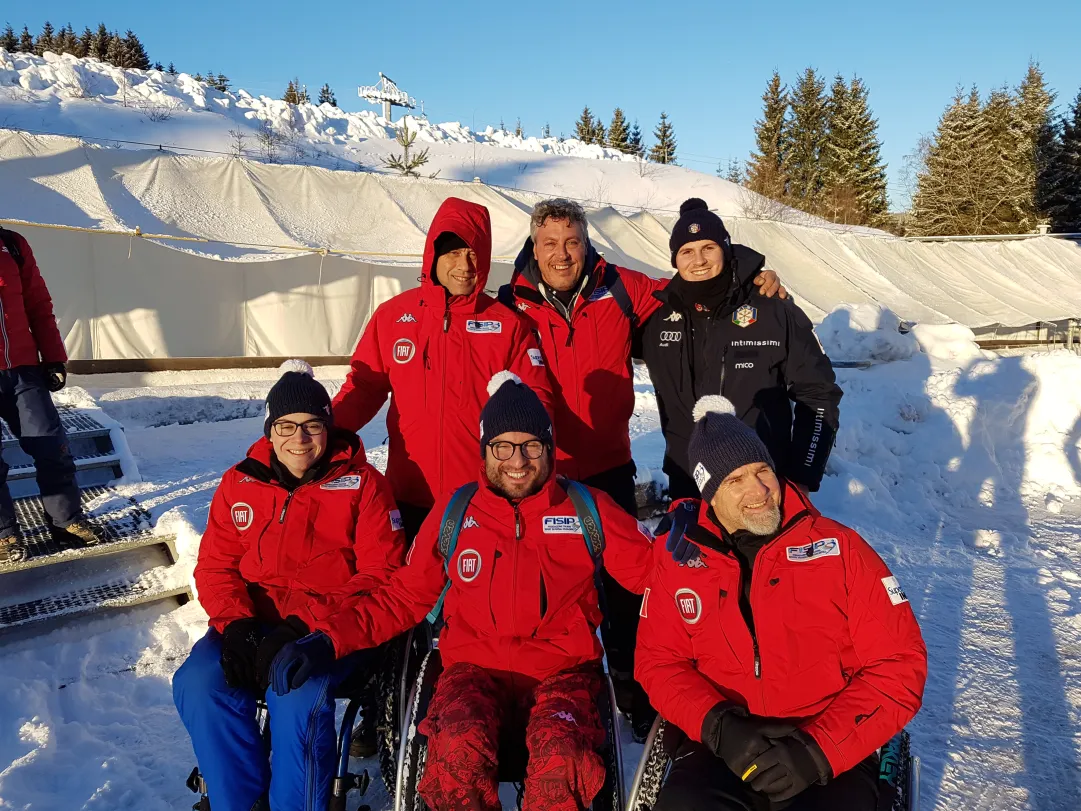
(671, 336)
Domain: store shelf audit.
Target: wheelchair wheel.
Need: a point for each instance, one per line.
(660, 746)
(611, 796)
(898, 775)
(414, 746)
(395, 680)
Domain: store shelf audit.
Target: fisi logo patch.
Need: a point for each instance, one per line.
(819, 549)
(560, 524)
(342, 483)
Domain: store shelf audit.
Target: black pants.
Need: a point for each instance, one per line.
(700, 781)
(412, 518)
(27, 407)
(620, 631)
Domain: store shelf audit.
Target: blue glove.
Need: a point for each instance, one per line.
(299, 660)
(678, 545)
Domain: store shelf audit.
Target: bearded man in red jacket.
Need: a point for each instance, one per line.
(433, 349)
(781, 644)
(519, 648)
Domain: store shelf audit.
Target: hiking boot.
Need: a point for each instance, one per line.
(89, 534)
(12, 549)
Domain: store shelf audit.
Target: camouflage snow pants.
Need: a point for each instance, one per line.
(474, 710)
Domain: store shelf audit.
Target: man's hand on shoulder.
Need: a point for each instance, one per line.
(769, 284)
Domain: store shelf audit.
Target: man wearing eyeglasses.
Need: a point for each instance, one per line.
(520, 648)
(301, 523)
(433, 349)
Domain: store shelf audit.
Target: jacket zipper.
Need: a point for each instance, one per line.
(514, 570)
(750, 610)
(724, 359)
(443, 389)
(285, 506)
(4, 330)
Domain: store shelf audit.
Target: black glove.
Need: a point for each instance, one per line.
(291, 630)
(297, 661)
(239, 644)
(56, 375)
(738, 738)
(793, 763)
(676, 523)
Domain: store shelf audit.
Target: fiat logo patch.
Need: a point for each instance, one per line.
(689, 605)
(243, 515)
(404, 349)
(469, 565)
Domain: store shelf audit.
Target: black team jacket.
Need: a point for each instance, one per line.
(761, 353)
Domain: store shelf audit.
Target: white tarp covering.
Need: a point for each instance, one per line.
(242, 293)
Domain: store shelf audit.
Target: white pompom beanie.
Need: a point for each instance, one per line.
(512, 406)
(721, 443)
(296, 392)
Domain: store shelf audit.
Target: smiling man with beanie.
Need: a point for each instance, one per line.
(781, 644)
(714, 336)
(299, 525)
(519, 649)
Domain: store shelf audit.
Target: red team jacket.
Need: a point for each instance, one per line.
(437, 358)
(837, 642)
(26, 313)
(268, 553)
(589, 360)
(522, 597)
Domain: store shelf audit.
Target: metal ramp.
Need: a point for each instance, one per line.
(126, 526)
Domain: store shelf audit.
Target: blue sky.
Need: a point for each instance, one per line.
(704, 63)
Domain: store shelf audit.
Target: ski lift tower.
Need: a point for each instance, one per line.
(387, 93)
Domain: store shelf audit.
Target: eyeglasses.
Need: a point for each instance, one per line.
(310, 428)
(503, 451)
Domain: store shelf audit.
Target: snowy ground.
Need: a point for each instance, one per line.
(961, 468)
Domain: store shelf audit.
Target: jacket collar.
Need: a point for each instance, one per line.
(548, 496)
(526, 279)
(795, 506)
(344, 449)
(745, 266)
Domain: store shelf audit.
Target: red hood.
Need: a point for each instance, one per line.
(472, 223)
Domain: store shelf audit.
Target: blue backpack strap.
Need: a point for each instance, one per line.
(449, 528)
(592, 532)
(614, 282)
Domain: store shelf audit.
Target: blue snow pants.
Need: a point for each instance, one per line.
(27, 407)
(230, 751)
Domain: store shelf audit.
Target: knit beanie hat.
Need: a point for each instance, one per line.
(721, 443)
(512, 406)
(296, 392)
(697, 222)
(448, 241)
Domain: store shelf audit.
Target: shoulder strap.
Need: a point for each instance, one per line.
(614, 282)
(586, 507)
(8, 238)
(449, 528)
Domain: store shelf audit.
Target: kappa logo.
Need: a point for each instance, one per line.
(404, 350)
(535, 357)
(243, 515)
(562, 524)
(563, 715)
(827, 547)
(670, 336)
(675, 317)
(469, 565)
(484, 327)
(701, 476)
(694, 228)
(470, 522)
(396, 522)
(342, 483)
(695, 563)
(522, 306)
(894, 590)
(689, 605)
(407, 318)
(745, 316)
(245, 480)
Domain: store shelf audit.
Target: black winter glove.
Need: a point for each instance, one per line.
(676, 523)
(56, 375)
(793, 763)
(738, 738)
(239, 644)
(291, 630)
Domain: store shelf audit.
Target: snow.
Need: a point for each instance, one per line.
(961, 467)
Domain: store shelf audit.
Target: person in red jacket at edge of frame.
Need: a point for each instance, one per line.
(300, 523)
(32, 364)
(780, 644)
(520, 647)
(584, 311)
(433, 349)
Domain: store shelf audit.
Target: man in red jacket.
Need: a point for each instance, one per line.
(433, 349)
(32, 359)
(781, 645)
(584, 311)
(301, 523)
(519, 648)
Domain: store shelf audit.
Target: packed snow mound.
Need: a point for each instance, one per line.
(949, 345)
(864, 332)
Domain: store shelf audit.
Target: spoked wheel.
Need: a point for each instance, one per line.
(397, 674)
(414, 747)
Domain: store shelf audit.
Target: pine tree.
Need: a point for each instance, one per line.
(733, 173)
(854, 177)
(302, 94)
(1068, 215)
(171, 70)
(160, 68)
(326, 96)
(618, 136)
(766, 168)
(1050, 197)
(664, 151)
(290, 95)
(634, 141)
(1033, 102)
(405, 163)
(45, 41)
(600, 132)
(86, 42)
(804, 140)
(198, 77)
(1009, 208)
(547, 131)
(518, 131)
(870, 172)
(116, 54)
(66, 41)
(99, 49)
(584, 128)
(8, 40)
(26, 41)
(134, 52)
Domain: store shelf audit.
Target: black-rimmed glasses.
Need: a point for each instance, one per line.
(310, 428)
(503, 451)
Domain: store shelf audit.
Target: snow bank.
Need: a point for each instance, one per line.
(864, 332)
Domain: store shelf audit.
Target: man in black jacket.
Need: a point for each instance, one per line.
(713, 336)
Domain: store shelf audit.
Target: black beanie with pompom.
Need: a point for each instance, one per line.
(697, 222)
